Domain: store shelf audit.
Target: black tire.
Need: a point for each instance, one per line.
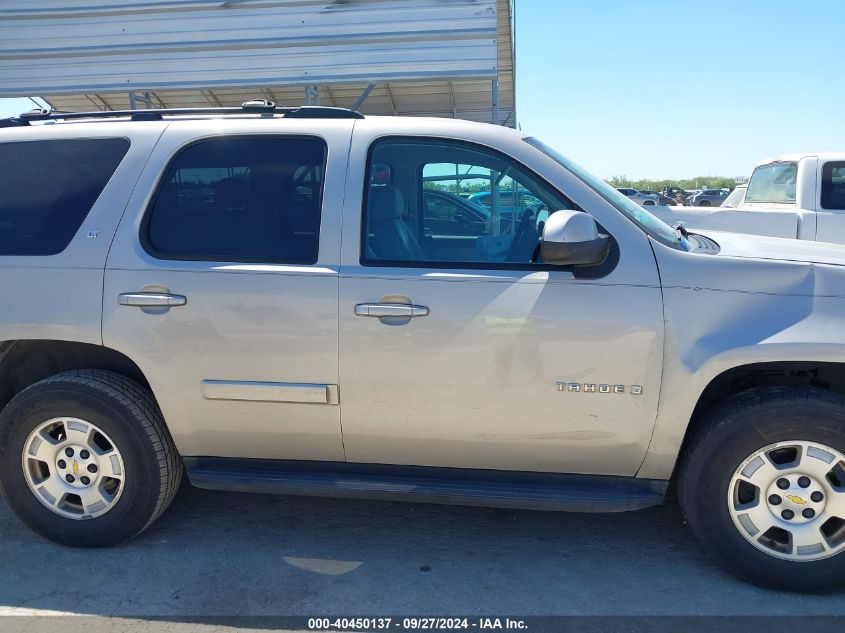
(129, 415)
(731, 433)
(704, 203)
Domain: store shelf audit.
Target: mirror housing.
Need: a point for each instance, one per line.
(572, 238)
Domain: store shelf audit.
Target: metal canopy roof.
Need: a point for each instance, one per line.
(416, 57)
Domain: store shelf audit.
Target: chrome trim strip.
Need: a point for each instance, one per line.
(269, 391)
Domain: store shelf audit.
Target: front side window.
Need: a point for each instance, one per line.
(833, 185)
(774, 183)
(240, 199)
(431, 202)
(47, 189)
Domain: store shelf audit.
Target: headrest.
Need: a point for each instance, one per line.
(386, 203)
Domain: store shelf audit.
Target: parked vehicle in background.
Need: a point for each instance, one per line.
(736, 197)
(676, 193)
(450, 214)
(708, 198)
(797, 195)
(512, 203)
(646, 200)
(279, 300)
(661, 199)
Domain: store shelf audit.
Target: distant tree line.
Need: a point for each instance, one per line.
(700, 182)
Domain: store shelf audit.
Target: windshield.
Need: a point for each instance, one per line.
(652, 225)
(774, 182)
(735, 197)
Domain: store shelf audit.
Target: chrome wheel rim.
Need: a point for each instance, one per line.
(788, 500)
(73, 468)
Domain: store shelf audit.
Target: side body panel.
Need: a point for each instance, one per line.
(473, 385)
(238, 369)
(59, 297)
(724, 312)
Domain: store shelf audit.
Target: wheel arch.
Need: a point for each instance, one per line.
(26, 361)
(829, 376)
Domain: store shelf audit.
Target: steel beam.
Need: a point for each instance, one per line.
(363, 96)
(495, 90)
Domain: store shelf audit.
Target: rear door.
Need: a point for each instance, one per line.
(222, 286)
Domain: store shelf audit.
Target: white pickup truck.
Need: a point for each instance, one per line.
(798, 196)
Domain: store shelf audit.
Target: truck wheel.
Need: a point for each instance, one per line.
(762, 486)
(86, 459)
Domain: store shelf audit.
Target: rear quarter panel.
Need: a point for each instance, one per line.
(59, 297)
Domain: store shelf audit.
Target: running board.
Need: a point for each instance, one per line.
(454, 486)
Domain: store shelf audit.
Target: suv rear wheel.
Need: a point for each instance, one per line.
(763, 487)
(85, 458)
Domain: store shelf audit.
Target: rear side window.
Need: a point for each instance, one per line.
(47, 189)
(833, 185)
(240, 199)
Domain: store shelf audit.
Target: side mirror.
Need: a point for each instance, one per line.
(571, 238)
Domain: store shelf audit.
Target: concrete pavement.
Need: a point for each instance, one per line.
(232, 554)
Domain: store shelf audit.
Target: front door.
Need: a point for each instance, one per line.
(223, 288)
(458, 348)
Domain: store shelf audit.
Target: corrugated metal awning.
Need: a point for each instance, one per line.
(425, 57)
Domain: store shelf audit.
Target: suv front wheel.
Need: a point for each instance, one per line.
(762, 486)
(85, 458)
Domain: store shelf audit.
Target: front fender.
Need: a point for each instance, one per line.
(792, 312)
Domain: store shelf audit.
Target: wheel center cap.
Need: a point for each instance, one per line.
(77, 466)
(796, 498)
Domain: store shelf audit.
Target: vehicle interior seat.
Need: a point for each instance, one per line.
(392, 238)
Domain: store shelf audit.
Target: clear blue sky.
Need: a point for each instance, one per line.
(676, 88)
(681, 88)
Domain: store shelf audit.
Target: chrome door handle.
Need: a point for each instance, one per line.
(390, 310)
(150, 299)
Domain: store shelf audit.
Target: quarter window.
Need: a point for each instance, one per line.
(240, 199)
(47, 189)
(446, 203)
(833, 185)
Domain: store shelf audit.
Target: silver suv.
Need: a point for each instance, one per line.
(259, 298)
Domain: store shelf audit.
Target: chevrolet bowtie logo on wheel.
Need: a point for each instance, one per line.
(588, 387)
(796, 499)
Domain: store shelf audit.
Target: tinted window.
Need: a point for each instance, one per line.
(47, 189)
(240, 199)
(833, 185)
(773, 183)
(453, 204)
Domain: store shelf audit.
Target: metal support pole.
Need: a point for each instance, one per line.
(495, 89)
(312, 95)
(147, 100)
(363, 97)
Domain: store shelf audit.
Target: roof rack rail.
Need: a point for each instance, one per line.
(258, 106)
